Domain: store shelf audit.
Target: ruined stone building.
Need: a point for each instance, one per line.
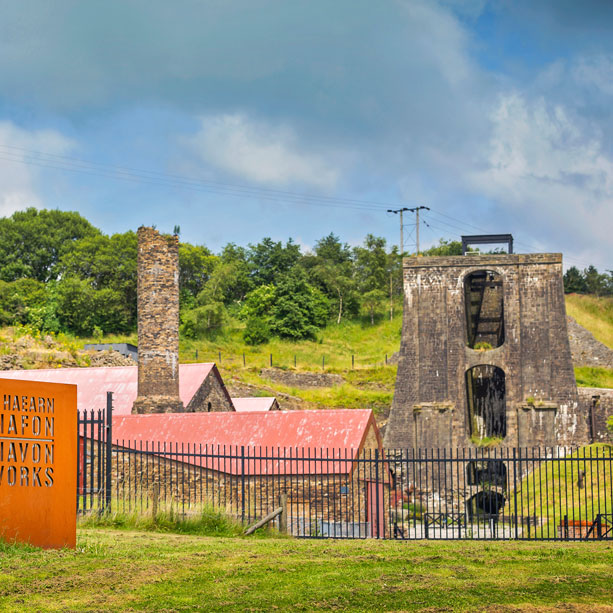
(484, 355)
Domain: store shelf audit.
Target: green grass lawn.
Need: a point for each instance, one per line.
(118, 570)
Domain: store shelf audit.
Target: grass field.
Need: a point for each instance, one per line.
(117, 570)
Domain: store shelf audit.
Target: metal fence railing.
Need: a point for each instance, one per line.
(531, 494)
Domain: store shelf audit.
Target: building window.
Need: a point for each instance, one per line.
(486, 398)
(483, 294)
(209, 406)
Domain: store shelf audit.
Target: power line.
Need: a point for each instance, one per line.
(73, 164)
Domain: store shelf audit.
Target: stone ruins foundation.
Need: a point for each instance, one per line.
(158, 323)
(484, 355)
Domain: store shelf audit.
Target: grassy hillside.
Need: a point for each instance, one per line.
(595, 314)
(138, 571)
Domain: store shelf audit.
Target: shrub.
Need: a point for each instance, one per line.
(256, 332)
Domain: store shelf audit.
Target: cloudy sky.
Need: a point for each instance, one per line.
(239, 119)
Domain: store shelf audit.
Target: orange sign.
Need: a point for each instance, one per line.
(38, 463)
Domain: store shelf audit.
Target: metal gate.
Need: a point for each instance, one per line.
(94, 458)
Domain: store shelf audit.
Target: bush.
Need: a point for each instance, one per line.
(256, 332)
(202, 320)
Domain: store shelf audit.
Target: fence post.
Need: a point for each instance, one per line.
(244, 363)
(155, 497)
(220, 357)
(386, 359)
(283, 516)
(294, 360)
(196, 354)
(515, 492)
(242, 482)
(108, 426)
(377, 493)
(271, 360)
(352, 361)
(323, 362)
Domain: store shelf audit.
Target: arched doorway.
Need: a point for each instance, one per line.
(486, 504)
(486, 398)
(483, 295)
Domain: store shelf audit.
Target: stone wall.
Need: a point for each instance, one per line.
(535, 355)
(597, 403)
(158, 323)
(211, 395)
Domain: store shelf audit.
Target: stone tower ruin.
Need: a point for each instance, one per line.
(158, 323)
(484, 355)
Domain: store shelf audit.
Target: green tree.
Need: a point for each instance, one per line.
(270, 260)
(33, 241)
(371, 264)
(299, 308)
(372, 300)
(106, 263)
(574, 281)
(196, 263)
(444, 247)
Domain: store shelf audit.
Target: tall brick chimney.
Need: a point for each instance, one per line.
(158, 323)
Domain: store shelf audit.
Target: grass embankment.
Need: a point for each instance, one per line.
(595, 314)
(111, 570)
(558, 487)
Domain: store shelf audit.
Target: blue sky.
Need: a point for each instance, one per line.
(239, 119)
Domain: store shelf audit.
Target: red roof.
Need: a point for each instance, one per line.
(265, 436)
(249, 405)
(93, 383)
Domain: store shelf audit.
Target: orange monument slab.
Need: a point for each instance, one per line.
(38, 463)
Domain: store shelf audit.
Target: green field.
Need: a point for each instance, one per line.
(119, 570)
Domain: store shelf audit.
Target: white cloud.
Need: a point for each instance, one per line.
(551, 168)
(258, 152)
(19, 168)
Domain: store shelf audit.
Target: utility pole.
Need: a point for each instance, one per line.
(401, 226)
(416, 211)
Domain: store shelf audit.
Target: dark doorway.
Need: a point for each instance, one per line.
(483, 294)
(486, 395)
(486, 504)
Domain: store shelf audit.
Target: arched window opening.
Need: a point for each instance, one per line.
(484, 309)
(487, 407)
(209, 406)
(486, 504)
(486, 472)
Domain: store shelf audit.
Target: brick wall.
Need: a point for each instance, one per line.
(158, 323)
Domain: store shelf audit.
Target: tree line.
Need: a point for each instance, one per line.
(58, 273)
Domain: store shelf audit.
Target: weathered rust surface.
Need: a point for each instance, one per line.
(38, 463)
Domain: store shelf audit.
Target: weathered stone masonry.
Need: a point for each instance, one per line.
(536, 390)
(158, 323)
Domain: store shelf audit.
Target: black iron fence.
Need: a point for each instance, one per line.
(94, 458)
(542, 494)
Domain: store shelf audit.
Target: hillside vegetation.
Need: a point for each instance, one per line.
(593, 313)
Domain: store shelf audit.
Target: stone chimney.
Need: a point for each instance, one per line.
(158, 323)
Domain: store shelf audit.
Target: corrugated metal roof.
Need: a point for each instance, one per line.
(93, 383)
(310, 435)
(249, 405)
